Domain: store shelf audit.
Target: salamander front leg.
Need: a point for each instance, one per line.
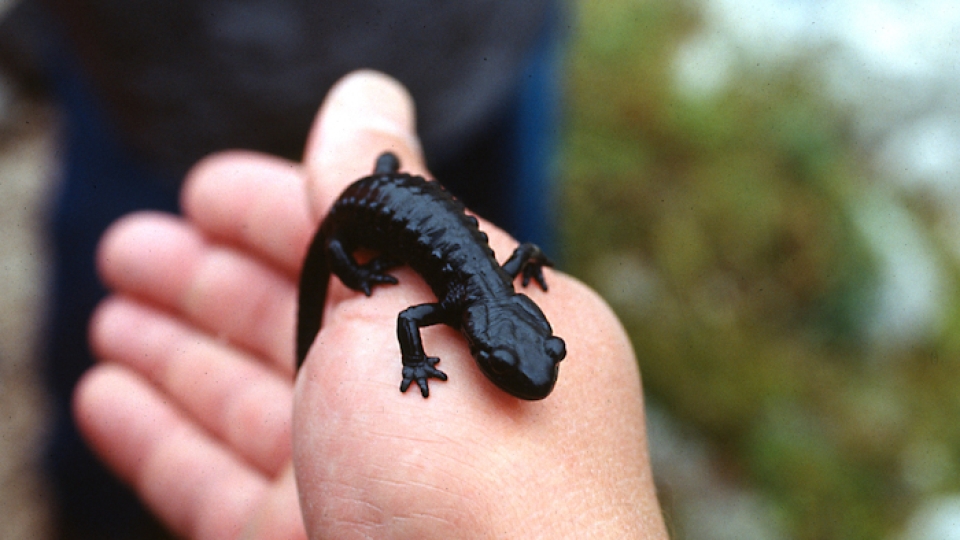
(417, 366)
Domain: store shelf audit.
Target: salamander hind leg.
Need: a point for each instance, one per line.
(356, 276)
(417, 366)
(528, 260)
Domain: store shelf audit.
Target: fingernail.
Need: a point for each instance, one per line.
(366, 101)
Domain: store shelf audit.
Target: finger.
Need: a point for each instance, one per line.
(230, 394)
(163, 260)
(193, 484)
(253, 201)
(364, 115)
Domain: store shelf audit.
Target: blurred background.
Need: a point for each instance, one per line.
(768, 193)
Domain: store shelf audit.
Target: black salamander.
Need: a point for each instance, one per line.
(407, 219)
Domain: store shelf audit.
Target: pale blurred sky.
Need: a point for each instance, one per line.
(896, 64)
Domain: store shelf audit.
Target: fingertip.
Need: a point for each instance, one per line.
(365, 100)
(98, 412)
(229, 173)
(83, 392)
(148, 254)
(111, 246)
(255, 201)
(101, 326)
(209, 177)
(92, 393)
(108, 241)
(365, 114)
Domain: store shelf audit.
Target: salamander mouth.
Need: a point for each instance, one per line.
(521, 385)
(533, 397)
(531, 391)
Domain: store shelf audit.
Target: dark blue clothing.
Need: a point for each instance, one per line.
(101, 181)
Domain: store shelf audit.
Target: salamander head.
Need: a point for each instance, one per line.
(514, 346)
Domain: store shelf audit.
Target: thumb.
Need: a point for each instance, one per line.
(365, 114)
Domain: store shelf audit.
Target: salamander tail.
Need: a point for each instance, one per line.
(387, 163)
(314, 276)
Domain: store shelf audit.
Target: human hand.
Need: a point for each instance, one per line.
(192, 404)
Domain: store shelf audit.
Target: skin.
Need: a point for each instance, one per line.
(194, 402)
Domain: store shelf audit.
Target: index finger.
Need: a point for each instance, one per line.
(253, 201)
(271, 206)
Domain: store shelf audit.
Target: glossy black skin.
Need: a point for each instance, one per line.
(406, 219)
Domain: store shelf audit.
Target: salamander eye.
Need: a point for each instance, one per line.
(556, 349)
(502, 361)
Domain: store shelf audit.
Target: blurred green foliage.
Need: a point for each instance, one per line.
(720, 228)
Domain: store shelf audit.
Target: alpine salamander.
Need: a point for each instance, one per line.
(407, 219)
